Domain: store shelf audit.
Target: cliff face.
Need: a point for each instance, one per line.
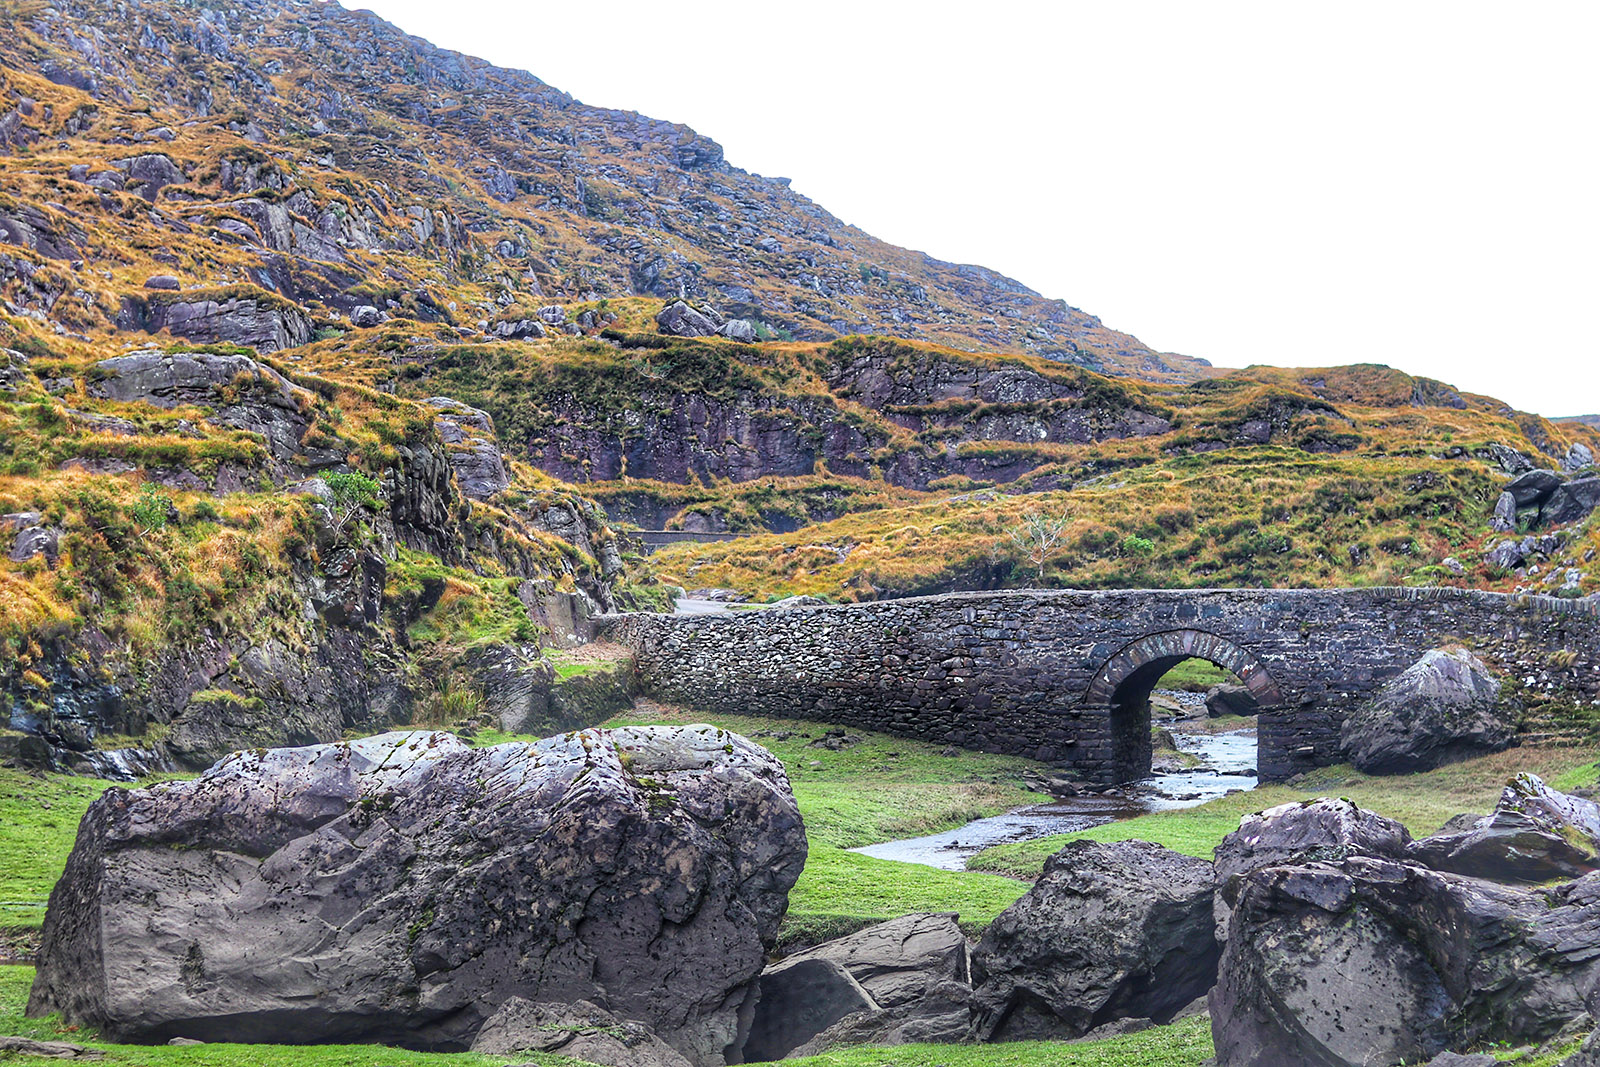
(330, 161)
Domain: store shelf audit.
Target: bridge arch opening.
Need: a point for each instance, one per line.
(1125, 682)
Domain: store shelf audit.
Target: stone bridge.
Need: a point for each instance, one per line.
(1065, 676)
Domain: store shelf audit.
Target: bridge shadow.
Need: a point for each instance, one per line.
(1127, 679)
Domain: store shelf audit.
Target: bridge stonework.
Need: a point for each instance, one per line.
(1063, 676)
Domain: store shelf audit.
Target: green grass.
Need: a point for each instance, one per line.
(1186, 1043)
(39, 818)
(15, 981)
(1195, 676)
(1423, 802)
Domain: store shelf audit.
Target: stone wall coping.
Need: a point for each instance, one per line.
(1507, 601)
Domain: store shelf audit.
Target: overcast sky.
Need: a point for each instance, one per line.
(1407, 183)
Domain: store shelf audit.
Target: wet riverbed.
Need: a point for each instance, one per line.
(1227, 763)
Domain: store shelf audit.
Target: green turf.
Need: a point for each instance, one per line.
(39, 817)
(1195, 676)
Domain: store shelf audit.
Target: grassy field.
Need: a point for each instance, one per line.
(1423, 802)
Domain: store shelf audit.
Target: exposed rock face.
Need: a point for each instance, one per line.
(1505, 514)
(1443, 707)
(581, 1031)
(1108, 931)
(1579, 457)
(1365, 961)
(1535, 834)
(1229, 699)
(1533, 487)
(740, 330)
(799, 999)
(474, 451)
(1571, 502)
(245, 394)
(402, 888)
(260, 323)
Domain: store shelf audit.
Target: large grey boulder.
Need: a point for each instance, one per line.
(1364, 962)
(1571, 502)
(149, 174)
(1445, 706)
(1533, 487)
(1535, 834)
(403, 887)
(1109, 931)
(1510, 460)
(680, 320)
(581, 1031)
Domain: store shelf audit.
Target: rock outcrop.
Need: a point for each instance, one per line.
(1229, 699)
(1445, 706)
(579, 1031)
(678, 319)
(262, 322)
(906, 980)
(1535, 834)
(404, 887)
(1109, 931)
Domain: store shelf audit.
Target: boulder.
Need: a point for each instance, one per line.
(148, 174)
(1533, 487)
(1504, 556)
(799, 999)
(1445, 706)
(1534, 834)
(915, 969)
(680, 320)
(581, 1030)
(401, 888)
(1229, 699)
(1571, 502)
(1505, 514)
(162, 281)
(48, 1050)
(553, 315)
(1579, 457)
(1369, 961)
(34, 537)
(740, 330)
(1109, 931)
(365, 316)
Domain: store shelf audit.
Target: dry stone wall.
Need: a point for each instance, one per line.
(1055, 675)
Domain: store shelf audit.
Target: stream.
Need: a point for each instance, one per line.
(1228, 763)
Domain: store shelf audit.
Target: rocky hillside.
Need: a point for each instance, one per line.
(276, 166)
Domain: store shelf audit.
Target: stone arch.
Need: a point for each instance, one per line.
(1123, 685)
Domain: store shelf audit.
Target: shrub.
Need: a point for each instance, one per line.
(1134, 545)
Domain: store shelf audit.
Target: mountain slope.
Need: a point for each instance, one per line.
(327, 157)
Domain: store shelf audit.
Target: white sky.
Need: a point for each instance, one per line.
(1412, 183)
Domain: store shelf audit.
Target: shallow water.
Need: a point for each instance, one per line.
(1226, 757)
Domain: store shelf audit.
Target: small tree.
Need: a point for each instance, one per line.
(151, 511)
(1037, 536)
(352, 492)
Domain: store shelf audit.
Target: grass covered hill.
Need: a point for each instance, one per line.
(321, 159)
